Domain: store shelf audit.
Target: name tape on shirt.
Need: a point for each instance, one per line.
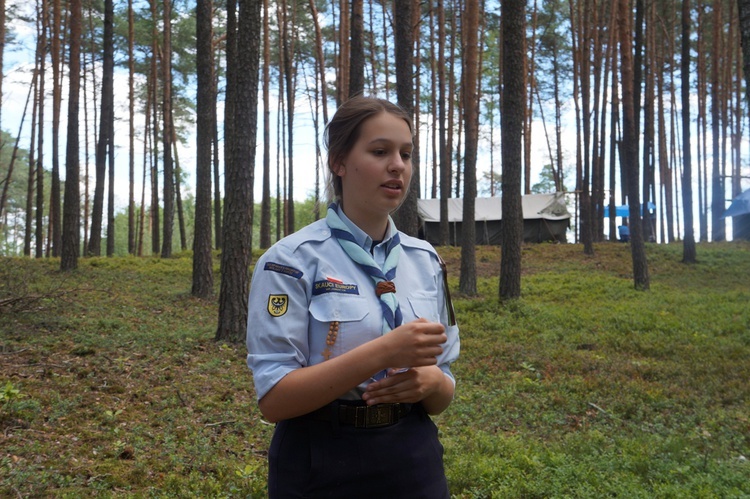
(278, 305)
(329, 286)
(283, 269)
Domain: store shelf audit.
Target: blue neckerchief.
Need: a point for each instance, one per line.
(392, 317)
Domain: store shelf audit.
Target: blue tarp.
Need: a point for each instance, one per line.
(624, 210)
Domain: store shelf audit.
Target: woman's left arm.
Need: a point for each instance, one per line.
(428, 385)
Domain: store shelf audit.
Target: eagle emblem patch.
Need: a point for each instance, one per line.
(277, 305)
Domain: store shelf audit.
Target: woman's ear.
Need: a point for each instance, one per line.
(339, 169)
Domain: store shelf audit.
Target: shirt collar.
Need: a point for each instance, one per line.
(361, 236)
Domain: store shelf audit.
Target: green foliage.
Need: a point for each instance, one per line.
(582, 388)
(9, 393)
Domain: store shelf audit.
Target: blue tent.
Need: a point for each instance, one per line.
(624, 210)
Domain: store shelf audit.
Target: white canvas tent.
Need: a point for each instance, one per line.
(545, 218)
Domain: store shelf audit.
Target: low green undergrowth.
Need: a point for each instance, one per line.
(111, 383)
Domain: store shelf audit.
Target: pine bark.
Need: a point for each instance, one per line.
(203, 277)
(55, 215)
(688, 243)
(106, 120)
(131, 134)
(406, 217)
(168, 165)
(357, 50)
(630, 158)
(236, 255)
(718, 226)
(265, 209)
(513, 32)
(445, 168)
(43, 24)
(71, 234)
(468, 279)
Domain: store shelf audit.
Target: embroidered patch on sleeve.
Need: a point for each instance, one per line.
(278, 305)
(283, 269)
(329, 286)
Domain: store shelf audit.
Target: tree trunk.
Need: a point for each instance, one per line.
(40, 54)
(131, 134)
(665, 174)
(702, 128)
(265, 210)
(230, 113)
(154, 151)
(55, 217)
(320, 60)
(737, 171)
(178, 191)
(357, 47)
(584, 73)
(203, 276)
(513, 32)
(111, 183)
(530, 74)
(614, 142)
(445, 168)
(434, 108)
(71, 233)
(406, 217)
(649, 230)
(468, 279)
(290, 73)
(452, 98)
(718, 227)
(575, 45)
(168, 165)
(630, 163)
(688, 245)
(343, 60)
(142, 215)
(235, 257)
(32, 165)
(106, 120)
(216, 164)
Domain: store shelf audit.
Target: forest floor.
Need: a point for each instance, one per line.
(111, 383)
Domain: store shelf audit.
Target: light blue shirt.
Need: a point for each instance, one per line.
(306, 281)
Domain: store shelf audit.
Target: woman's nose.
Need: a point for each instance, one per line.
(397, 163)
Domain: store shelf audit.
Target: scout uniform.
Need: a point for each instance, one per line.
(309, 301)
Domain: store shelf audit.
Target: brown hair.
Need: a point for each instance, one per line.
(342, 132)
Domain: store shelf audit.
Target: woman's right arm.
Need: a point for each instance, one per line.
(306, 389)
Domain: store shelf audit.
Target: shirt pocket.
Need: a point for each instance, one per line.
(355, 322)
(332, 307)
(424, 307)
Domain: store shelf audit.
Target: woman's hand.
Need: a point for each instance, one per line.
(414, 344)
(406, 386)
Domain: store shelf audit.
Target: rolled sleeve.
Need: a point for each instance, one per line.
(277, 325)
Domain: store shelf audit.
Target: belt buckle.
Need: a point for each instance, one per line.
(377, 416)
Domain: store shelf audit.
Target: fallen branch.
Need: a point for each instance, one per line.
(220, 423)
(599, 409)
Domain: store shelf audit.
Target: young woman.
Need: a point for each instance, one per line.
(351, 332)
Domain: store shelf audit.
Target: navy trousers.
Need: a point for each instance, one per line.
(311, 458)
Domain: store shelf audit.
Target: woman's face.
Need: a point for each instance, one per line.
(376, 173)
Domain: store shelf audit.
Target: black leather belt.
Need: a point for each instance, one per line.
(362, 416)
